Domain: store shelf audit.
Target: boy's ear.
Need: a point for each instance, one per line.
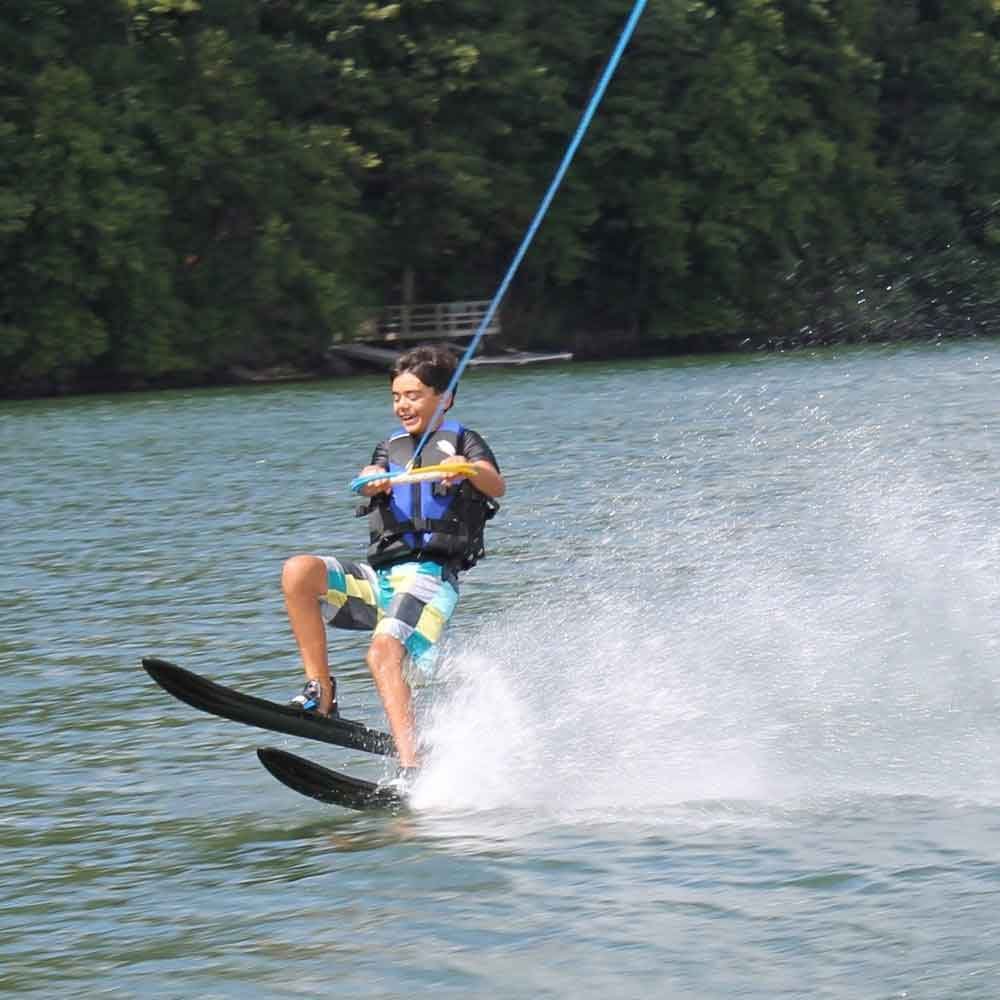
(449, 400)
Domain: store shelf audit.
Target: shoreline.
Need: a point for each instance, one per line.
(585, 348)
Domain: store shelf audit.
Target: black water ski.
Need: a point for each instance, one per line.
(328, 786)
(206, 695)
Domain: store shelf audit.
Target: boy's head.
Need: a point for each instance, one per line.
(418, 378)
(432, 364)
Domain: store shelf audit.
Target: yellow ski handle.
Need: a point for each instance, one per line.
(425, 473)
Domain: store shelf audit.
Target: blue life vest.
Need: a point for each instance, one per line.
(426, 521)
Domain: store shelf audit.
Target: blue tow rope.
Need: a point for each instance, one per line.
(574, 144)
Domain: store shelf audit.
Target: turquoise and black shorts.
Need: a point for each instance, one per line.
(410, 601)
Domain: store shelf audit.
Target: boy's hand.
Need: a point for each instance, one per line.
(376, 485)
(447, 480)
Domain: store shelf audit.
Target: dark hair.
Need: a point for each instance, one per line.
(433, 364)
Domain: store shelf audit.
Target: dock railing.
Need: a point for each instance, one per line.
(379, 341)
(436, 319)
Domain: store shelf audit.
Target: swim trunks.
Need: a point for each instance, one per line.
(411, 601)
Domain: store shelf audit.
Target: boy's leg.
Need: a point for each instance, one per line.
(417, 602)
(385, 660)
(304, 583)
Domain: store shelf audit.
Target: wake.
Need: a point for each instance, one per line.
(839, 639)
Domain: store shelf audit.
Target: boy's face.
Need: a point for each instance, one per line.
(413, 402)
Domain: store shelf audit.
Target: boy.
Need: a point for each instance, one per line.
(422, 536)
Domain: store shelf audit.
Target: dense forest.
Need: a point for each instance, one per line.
(194, 188)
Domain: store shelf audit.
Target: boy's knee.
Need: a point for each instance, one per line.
(303, 572)
(385, 652)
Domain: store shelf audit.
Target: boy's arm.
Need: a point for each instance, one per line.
(477, 452)
(376, 486)
(488, 480)
(379, 463)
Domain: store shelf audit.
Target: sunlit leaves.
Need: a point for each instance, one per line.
(189, 187)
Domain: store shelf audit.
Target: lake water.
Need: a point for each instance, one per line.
(717, 717)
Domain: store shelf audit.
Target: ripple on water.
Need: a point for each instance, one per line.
(717, 717)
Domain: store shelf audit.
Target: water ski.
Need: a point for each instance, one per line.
(206, 695)
(318, 782)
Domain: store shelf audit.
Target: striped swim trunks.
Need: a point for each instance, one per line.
(410, 601)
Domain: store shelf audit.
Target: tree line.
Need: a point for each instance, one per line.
(189, 188)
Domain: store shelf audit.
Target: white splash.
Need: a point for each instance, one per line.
(826, 628)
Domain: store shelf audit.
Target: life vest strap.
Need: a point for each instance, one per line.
(419, 525)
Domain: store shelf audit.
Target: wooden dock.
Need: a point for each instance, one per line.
(380, 343)
(435, 321)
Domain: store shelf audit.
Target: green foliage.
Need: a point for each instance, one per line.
(739, 137)
(940, 135)
(190, 188)
(162, 217)
(445, 99)
(80, 211)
